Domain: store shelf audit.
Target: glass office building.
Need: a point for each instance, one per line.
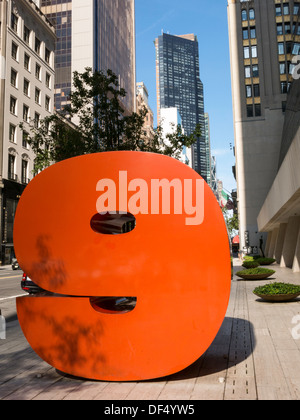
(93, 33)
(59, 12)
(179, 86)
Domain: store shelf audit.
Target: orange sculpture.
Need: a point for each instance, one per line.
(175, 263)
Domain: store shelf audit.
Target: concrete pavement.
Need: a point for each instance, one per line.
(255, 356)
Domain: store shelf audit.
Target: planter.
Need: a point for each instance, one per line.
(278, 298)
(278, 292)
(255, 274)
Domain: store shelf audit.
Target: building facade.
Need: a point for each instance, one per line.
(179, 86)
(208, 149)
(142, 100)
(170, 119)
(93, 33)
(264, 36)
(26, 95)
(280, 213)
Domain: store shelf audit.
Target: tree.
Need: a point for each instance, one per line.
(101, 124)
(232, 221)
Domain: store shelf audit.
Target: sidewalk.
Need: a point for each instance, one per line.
(254, 356)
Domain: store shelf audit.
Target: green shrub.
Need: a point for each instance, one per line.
(250, 264)
(277, 289)
(255, 271)
(265, 261)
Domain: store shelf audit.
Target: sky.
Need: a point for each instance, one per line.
(208, 20)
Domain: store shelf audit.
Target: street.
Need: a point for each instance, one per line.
(255, 356)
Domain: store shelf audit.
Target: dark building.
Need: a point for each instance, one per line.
(179, 86)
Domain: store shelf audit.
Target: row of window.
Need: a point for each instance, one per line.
(249, 33)
(252, 91)
(13, 136)
(251, 71)
(12, 164)
(284, 9)
(286, 28)
(26, 91)
(289, 48)
(27, 35)
(248, 15)
(28, 65)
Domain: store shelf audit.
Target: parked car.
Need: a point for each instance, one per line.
(29, 286)
(15, 264)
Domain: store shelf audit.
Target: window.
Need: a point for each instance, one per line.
(296, 9)
(11, 167)
(47, 56)
(245, 34)
(26, 62)
(37, 46)
(280, 48)
(286, 9)
(248, 91)
(37, 96)
(246, 52)
(287, 28)
(244, 15)
(278, 10)
(47, 103)
(256, 91)
(36, 120)
(283, 87)
(254, 51)
(257, 110)
(14, 22)
(255, 71)
(249, 111)
(12, 133)
(247, 72)
(279, 29)
(26, 88)
(282, 68)
(24, 171)
(14, 51)
(13, 77)
(13, 105)
(48, 80)
(38, 71)
(26, 34)
(25, 113)
(253, 32)
(251, 14)
(25, 140)
(296, 49)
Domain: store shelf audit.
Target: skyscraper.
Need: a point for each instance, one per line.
(179, 86)
(93, 33)
(264, 36)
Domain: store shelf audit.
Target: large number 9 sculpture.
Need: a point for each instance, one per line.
(177, 268)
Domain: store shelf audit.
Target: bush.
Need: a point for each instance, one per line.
(277, 289)
(265, 261)
(250, 264)
(255, 273)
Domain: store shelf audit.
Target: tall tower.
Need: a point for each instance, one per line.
(264, 35)
(93, 33)
(179, 86)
